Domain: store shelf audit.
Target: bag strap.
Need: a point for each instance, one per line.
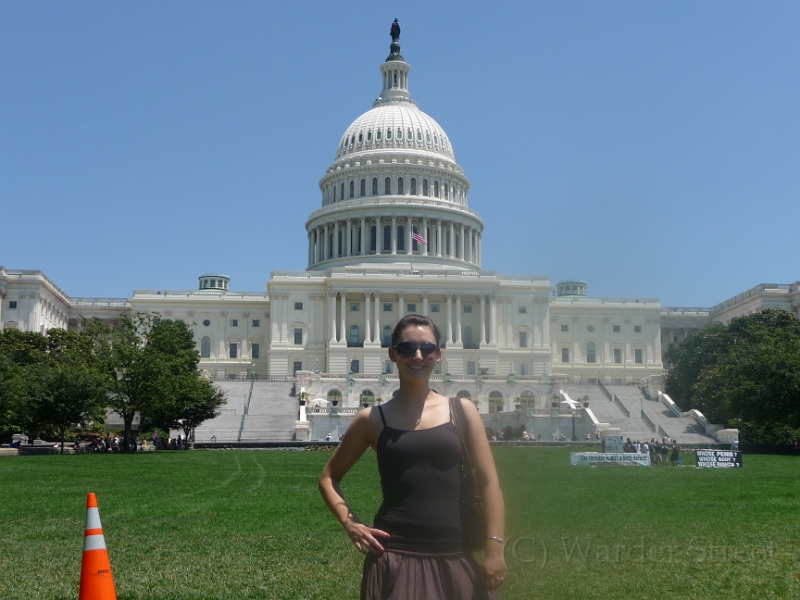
(460, 421)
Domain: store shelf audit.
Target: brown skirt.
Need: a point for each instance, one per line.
(407, 575)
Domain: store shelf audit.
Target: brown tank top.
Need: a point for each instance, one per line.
(421, 484)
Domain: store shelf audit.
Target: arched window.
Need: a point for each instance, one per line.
(591, 356)
(369, 136)
(495, 402)
(378, 134)
(352, 189)
(399, 134)
(339, 245)
(387, 186)
(334, 395)
(353, 335)
(205, 347)
(424, 187)
(373, 238)
(387, 238)
(358, 239)
(526, 400)
(363, 187)
(374, 186)
(367, 397)
(388, 134)
(436, 189)
(341, 196)
(401, 238)
(400, 186)
(457, 248)
(386, 341)
(447, 191)
(447, 243)
(413, 186)
(464, 394)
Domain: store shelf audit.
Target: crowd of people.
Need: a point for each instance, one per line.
(661, 452)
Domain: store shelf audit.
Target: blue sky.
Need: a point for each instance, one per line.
(651, 149)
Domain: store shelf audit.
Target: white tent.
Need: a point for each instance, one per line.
(319, 403)
(571, 403)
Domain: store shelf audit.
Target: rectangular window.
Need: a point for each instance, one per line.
(637, 356)
(468, 308)
(523, 339)
(387, 367)
(234, 322)
(618, 355)
(637, 329)
(255, 351)
(233, 350)
(298, 306)
(354, 365)
(412, 307)
(617, 328)
(564, 327)
(12, 304)
(256, 322)
(565, 355)
(298, 336)
(387, 307)
(354, 307)
(470, 367)
(298, 366)
(434, 308)
(523, 310)
(523, 369)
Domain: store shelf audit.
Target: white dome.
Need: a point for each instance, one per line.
(400, 126)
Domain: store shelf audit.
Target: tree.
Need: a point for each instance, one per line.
(150, 367)
(11, 393)
(746, 374)
(65, 393)
(190, 400)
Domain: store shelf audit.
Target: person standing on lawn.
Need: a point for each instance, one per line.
(415, 547)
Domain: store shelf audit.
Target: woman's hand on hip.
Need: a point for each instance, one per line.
(365, 538)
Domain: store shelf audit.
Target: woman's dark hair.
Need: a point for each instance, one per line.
(414, 320)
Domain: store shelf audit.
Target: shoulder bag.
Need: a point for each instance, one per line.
(473, 516)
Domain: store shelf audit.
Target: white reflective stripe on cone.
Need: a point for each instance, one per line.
(94, 542)
(93, 518)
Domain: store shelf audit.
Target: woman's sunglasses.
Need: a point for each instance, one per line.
(409, 349)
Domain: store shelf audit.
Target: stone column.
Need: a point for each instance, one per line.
(409, 228)
(285, 318)
(449, 318)
(509, 328)
(377, 335)
(273, 319)
(364, 250)
(452, 252)
(479, 249)
(483, 320)
(493, 321)
(439, 238)
(424, 249)
(425, 303)
(367, 328)
(325, 243)
(394, 234)
(401, 304)
(310, 247)
(378, 236)
(336, 240)
(461, 242)
(458, 319)
(343, 313)
(332, 315)
(349, 241)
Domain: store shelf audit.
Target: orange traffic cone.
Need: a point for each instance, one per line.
(96, 580)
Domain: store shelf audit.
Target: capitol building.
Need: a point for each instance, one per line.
(510, 341)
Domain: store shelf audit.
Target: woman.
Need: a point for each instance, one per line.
(414, 549)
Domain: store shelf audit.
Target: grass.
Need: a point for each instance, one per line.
(250, 524)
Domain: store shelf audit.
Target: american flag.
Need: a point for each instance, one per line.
(418, 238)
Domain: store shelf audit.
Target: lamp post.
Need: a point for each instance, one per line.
(574, 437)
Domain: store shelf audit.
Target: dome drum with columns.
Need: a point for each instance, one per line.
(394, 175)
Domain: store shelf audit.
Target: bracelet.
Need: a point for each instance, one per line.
(495, 538)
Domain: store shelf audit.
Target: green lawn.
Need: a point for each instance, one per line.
(250, 524)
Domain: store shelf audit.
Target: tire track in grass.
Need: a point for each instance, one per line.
(262, 473)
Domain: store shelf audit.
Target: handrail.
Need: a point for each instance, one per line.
(604, 389)
(663, 433)
(649, 423)
(645, 393)
(621, 406)
(250, 395)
